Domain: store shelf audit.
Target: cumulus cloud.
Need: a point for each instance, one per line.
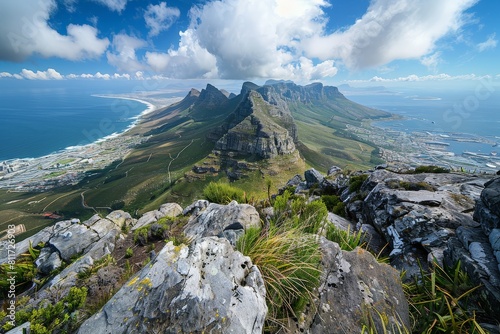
(189, 60)
(490, 43)
(24, 31)
(123, 56)
(390, 30)
(50, 74)
(160, 17)
(114, 5)
(121, 76)
(239, 39)
(5, 75)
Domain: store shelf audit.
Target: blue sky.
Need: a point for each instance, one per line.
(302, 40)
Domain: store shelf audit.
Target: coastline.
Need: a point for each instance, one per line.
(68, 166)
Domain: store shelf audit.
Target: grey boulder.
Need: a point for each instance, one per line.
(207, 287)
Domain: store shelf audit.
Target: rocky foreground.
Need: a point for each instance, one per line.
(209, 286)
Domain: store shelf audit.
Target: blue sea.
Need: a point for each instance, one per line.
(471, 113)
(43, 117)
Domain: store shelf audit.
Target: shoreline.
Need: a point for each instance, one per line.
(135, 121)
(68, 166)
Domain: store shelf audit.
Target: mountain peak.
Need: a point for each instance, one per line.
(194, 92)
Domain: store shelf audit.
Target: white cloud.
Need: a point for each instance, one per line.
(189, 60)
(5, 75)
(24, 31)
(115, 5)
(121, 76)
(98, 75)
(50, 74)
(435, 77)
(124, 57)
(240, 39)
(139, 75)
(390, 30)
(432, 61)
(160, 17)
(490, 43)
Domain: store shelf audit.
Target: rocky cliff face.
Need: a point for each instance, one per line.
(261, 129)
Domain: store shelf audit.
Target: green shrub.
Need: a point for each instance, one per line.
(223, 193)
(129, 253)
(330, 201)
(356, 181)
(54, 317)
(430, 169)
(141, 235)
(339, 209)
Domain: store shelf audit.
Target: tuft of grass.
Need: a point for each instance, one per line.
(379, 322)
(441, 300)
(288, 256)
(412, 186)
(347, 240)
(288, 260)
(223, 193)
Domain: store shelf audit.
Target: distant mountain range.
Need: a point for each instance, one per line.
(262, 121)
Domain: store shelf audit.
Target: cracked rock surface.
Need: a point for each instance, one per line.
(206, 287)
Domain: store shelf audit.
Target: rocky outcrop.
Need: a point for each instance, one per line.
(229, 221)
(418, 214)
(487, 210)
(348, 292)
(207, 287)
(425, 218)
(150, 217)
(478, 248)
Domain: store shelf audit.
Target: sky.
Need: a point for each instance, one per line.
(300, 40)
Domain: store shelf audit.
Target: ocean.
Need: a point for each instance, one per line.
(42, 117)
(472, 113)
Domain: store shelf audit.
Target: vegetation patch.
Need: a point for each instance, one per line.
(442, 301)
(59, 317)
(347, 240)
(287, 254)
(429, 169)
(411, 186)
(223, 193)
(356, 181)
